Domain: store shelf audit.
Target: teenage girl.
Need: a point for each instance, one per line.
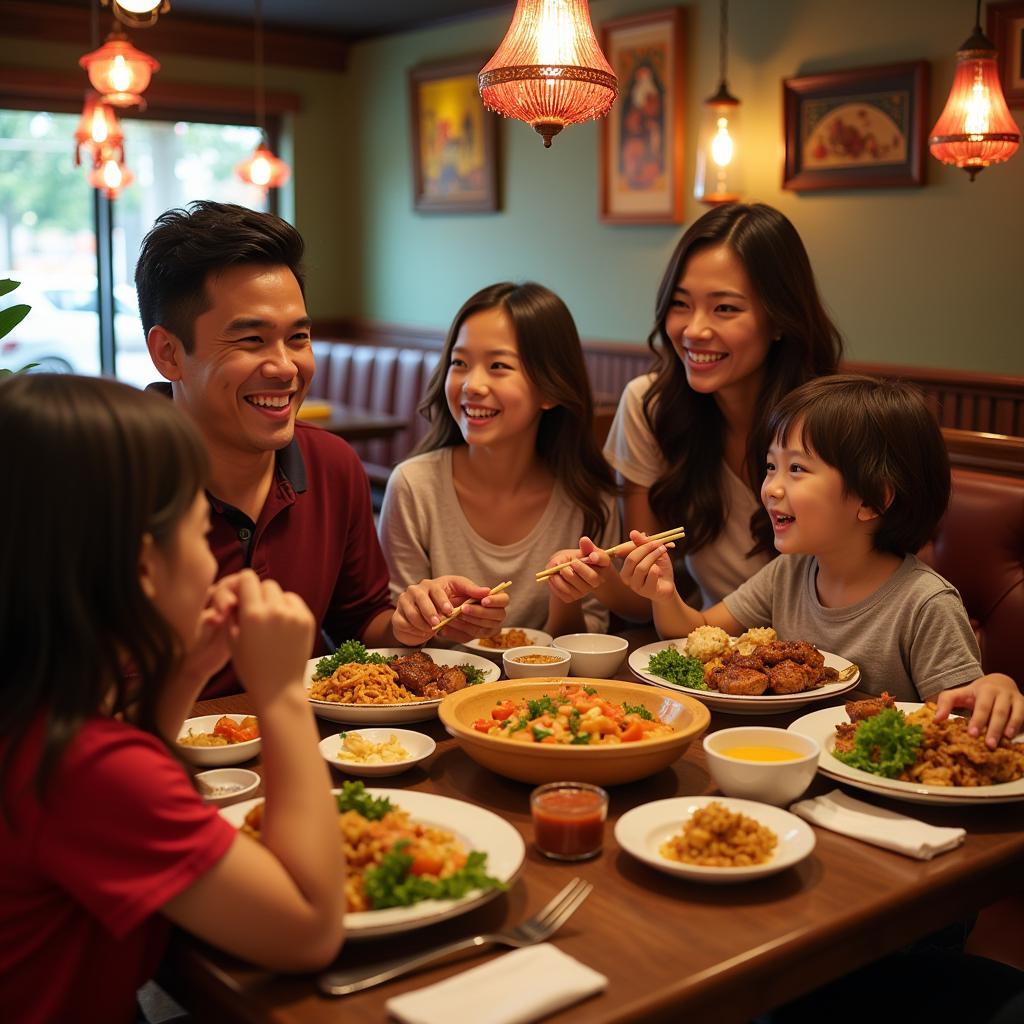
(738, 324)
(855, 482)
(110, 625)
(508, 473)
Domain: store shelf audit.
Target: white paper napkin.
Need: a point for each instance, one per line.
(841, 813)
(522, 986)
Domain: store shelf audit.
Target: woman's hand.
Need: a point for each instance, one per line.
(647, 569)
(425, 604)
(583, 571)
(996, 703)
(271, 638)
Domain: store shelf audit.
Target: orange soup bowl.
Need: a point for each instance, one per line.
(605, 765)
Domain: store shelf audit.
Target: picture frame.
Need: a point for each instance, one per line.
(642, 137)
(454, 139)
(1005, 28)
(861, 128)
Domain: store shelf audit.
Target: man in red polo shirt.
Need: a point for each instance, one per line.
(221, 296)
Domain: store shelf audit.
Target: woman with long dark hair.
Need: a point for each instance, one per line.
(738, 325)
(110, 624)
(509, 471)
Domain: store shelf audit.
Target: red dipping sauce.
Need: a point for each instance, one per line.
(568, 819)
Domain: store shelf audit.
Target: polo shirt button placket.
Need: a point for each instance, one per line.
(244, 534)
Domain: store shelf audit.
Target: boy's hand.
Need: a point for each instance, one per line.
(647, 570)
(996, 703)
(583, 570)
(425, 604)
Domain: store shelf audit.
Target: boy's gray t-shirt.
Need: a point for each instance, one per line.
(910, 637)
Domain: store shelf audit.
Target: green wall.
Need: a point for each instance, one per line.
(928, 276)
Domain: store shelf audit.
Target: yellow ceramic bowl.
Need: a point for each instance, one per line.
(547, 762)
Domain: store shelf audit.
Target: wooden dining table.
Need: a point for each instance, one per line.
(351, 423)
(672, 949)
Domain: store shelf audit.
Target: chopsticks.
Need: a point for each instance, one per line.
(676, 533)
(458, 611)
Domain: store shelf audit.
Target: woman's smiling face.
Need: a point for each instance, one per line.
(718, 327)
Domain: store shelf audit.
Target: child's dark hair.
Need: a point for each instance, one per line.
(689, 426)
(95, 465)
(884, 441)
(552, 358)
(185, 246)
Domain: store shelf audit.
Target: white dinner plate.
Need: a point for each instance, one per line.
(741, 704)
(396, 714)
(821, 725)
(643, 830)
(534, 638)
(474, 827)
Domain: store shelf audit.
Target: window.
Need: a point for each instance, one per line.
(51, 224)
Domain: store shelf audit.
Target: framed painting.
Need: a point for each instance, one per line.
(1006, 30)
(641, 163)
(454, 140)
(862, 128)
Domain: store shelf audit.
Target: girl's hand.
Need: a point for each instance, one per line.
(425, 604)
(997, 707)
(272, 636)
(210, 650)
(647, 569)
(583, 571)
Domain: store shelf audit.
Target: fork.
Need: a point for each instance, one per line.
(531, 931)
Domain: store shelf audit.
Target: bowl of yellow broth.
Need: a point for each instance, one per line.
(757, 762)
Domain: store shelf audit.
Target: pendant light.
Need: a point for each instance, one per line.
(138, 13)
(119, 72)
(111, 176)
(263, 169)
(98, 133)
(717, 178)
(975, 129)
(549, 70)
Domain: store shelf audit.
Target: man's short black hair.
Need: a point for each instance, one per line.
(185, 246)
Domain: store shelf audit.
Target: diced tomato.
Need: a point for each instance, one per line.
(503, 710)
(425, 865)
(611, 710)
(229, 729)
(482, 725)
(634, 731)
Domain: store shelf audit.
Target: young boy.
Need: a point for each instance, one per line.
(857, 479)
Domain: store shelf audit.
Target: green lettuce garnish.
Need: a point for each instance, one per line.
(390, 883)
(884, 744)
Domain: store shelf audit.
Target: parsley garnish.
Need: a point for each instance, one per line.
(347, 653)
(883, 744)
(520, 723)
(574, 722)
(589, 691)
(539, 733)
(582, 739)
(353, 797)
(473, 674)
(542, 704)
(638, 709)
(671, 665)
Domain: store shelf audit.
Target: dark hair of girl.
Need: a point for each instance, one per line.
(689, 426)
(552, 358)
(94, 465)
(886, 444)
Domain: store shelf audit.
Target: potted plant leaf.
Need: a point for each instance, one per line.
(10, 318)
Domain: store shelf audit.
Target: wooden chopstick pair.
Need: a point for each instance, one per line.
(458, 611)
(676, 533)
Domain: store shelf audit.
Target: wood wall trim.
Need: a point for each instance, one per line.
(176, 33)
(65, 90)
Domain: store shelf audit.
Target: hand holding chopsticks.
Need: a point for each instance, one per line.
(614, 552)
(458, 611)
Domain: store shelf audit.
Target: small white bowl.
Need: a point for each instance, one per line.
(769, 782)
(215, 757)
(516, 669)
(596, 655)
(222, 785)
(418, 745)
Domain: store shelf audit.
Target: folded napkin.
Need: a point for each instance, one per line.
(841, 813)
(516, 988)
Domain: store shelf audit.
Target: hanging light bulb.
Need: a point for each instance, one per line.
(262, 169)
(98, 131)
(110, 175)
(975, 128)
(138, 13)
(119, 72)
(717, 178)
(549, 70)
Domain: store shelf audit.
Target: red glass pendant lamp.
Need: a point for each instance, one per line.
(111, 176)
(549, 70)
(975, 128)
(98, 133)
(120, 72)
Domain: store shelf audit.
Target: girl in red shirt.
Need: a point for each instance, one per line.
(103, 840)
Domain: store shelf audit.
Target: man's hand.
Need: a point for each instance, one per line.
(425, 604)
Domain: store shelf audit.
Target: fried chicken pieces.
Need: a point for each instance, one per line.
(420, 675)
(780, 666)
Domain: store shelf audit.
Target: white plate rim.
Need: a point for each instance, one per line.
(821, 725)
(328, 744)
(535, 637)
(742, 703)
(636, 826)
(479, 828)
